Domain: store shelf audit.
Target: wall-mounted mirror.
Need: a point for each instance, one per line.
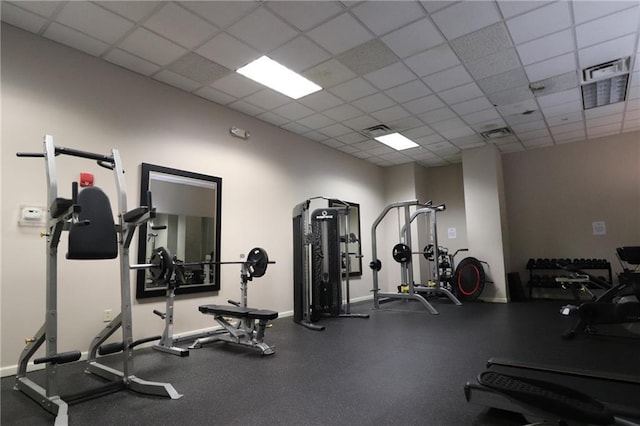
(353, 244)
(187, 223)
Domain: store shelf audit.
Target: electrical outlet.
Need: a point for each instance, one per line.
(106, 315)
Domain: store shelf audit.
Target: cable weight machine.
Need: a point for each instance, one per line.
(322, 262)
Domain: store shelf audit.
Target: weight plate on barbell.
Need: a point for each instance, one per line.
(163, 266)
(257, 260)
(401, 253)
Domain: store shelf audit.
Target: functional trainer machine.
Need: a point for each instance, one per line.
(88, 218)
(321, 263)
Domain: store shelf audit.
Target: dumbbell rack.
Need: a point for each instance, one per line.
(536, 266)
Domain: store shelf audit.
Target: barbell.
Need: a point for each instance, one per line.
(163, 266)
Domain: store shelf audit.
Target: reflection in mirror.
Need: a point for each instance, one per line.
(353, 244)
(187, 224)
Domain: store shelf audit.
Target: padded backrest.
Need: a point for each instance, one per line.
(629, 254)
(98, 239)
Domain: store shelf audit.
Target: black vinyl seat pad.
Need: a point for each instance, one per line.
(238, 312)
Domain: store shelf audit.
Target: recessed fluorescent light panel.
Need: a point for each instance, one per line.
(396, 141)
(605, 92)
(278, 77)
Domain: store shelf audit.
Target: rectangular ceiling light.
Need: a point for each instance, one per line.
(396, 141)
(605, 92)
(278, 77)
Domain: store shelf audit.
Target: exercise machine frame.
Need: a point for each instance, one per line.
(68, 215)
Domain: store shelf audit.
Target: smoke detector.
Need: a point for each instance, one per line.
(496, 133)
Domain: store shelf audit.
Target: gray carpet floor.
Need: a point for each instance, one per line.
(402, 366)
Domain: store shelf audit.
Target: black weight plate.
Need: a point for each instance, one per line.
(427, 252)
(376, 265)
(162, 268)
(401, 253)
(258, 261)
(469, 279)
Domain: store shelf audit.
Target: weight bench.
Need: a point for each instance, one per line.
(249, 331)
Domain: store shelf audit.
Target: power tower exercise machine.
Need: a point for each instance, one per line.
(322, 263)
(93, 235)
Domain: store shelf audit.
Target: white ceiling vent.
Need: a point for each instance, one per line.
(606, 70)
(377, 131)
(496, 133)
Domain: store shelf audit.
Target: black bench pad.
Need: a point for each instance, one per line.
(238, 312)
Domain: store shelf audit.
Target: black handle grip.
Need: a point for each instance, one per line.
(29, 154)
(61, 358)
(160, 314)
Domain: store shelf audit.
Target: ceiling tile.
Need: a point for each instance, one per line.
(461, 93)
(481, 43)
(360, 123)
(42, 8)
(426, 103)
(374, 102)
(221, 13)
(132, 62)
(198, 68)
(299, 54)
(511, 8)
(433, 60)
(134, 10)
(607, 28)
(607, 51)
(600, 131)
(443, 80)
(433, 5)
(91, 19)
(297, 128)
(528, 127)
(367, 57)
(544, 141)
(316, 121)
(351, 138)
(587, 10)
(483, 126)
(152, 47)
(481, 116)
(236, 85)
(418, 132)
(473, 105)
(535, 134)
(343, 112)
(353, 89)
(500, 62)
(227, 51)
(319, 101)
(562, 119)
(293, 111)
(180, 25)
(176, 80)
(329, 73)
(305, 15)
(348, 149)
(408, 91)
(504, 81)
(566, 128)
(340, 34)
(550, 67)
(465, 17)
(573, 106)
(546, 47)
(381, 150)
(390, 114)
(514, 120)
(405, 123)
(335, 130)
(616, 108)
(437, 115)
(366, 145)
(222, 98)
(576, 135)
(512, 147)
(558, 83)
(430, 140)
(414, 38)
(246, 107)
(262, 30)
(384, 16)
(75, 39)
(601, 121)
(267, 99)
(540, 22)
(510, 96)
(390, 76)
(21, 18)
(518, 107)
(559, 97)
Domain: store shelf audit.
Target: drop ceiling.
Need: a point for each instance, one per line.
(439, 72)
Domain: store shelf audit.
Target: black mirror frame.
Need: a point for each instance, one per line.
(141, 291)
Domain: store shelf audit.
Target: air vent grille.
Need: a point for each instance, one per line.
(606, 70)
(377, 130)
(496, 133)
